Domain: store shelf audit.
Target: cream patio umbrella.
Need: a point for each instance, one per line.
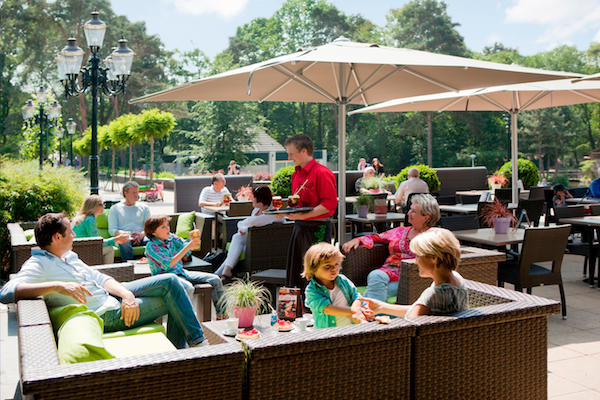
(345, 72)
(511, 98)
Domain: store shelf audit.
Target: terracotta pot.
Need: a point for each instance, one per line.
(363, 210)
(245, 315)
(501, 225)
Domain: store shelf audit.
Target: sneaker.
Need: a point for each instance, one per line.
(201, 344)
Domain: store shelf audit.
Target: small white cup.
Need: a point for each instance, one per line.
(232, 325)
(301, 324)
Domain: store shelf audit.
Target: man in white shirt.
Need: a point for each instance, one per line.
(129, 216)
(413, 184)
(213, 195)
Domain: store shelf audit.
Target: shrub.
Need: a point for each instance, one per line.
(429, 175)
(165, 174)
(281, 185)
(26, 193)
(528, 172)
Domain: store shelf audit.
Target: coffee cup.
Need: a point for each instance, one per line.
(232, 325)
(301, 323)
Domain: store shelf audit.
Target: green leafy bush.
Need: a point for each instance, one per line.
(165, 174)
(26, 193)
(281, 185)
(429, 175)
(528, 173)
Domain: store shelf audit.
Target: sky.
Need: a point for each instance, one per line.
(531, 26)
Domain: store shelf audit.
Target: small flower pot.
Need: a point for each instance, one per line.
(245, 316)
(501, 225)
(363, 211)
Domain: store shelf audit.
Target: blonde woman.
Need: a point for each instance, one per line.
(84, 225)
(438, 254)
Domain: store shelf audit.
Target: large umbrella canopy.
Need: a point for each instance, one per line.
(510, 98)
(594, 77)
(344, 72)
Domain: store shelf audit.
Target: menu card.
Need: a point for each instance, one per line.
(289, 304)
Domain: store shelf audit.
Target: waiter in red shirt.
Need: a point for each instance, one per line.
(315, 184)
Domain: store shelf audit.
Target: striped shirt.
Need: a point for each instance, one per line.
(160, 253)
(209, 195)
(444, 299)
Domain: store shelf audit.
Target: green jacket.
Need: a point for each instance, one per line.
(317, 298)
(88, 228)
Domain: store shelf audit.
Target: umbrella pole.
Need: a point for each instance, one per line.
(341, 227)
(514, 155)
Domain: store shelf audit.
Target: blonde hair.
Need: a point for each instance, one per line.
(438, 242)
(320, 254)
(88, 207)
(428, 206)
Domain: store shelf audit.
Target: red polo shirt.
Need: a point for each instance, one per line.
(319, 188)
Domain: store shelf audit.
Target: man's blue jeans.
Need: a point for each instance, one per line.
(157, 296)
(126, 249)
(379, 285)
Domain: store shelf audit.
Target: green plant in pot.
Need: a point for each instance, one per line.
(498, 216)
(362, 205)
(372, 184)
(242, 298)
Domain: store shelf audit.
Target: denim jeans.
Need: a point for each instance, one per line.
(379, 286)
(196, 277)
(157, 296)
(126, 249)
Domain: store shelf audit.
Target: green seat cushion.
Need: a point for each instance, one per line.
(28, 234)
(185, 224)
(362, 289)
(102, 225)
(79, 333)
(135, 345)
(242, 254)
(148, 328)
(137, 251)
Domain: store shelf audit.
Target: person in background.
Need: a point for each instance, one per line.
(332, 297)
(438, 254)
(165, 252)
(561, 194)
(413, 184)
(213, 195)
(315, 184)
(84, 225)
(383, 282)
(128, 217)
(378, 167)
(233, 168)
(368, 172)
(362, 164)
(260, 201)
(55, 272)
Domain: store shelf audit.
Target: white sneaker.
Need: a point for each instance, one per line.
(201, 344)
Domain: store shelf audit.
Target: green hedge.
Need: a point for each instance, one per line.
(26, 193)
(281, 184)
(429, 175)
(528, 172)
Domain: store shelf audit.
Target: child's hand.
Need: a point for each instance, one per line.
(368, 313)
(358, 318)
(377, 307)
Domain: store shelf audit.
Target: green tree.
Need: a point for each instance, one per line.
(121, 132)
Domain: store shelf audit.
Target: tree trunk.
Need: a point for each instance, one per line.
(151, 158)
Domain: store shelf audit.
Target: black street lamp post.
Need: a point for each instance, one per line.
(60, 131)
(43, 118)
(109, 75)
(71, 128)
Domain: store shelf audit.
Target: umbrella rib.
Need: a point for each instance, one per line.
(304, 81)
(284, 84)
(585, 95)
(358, 84)
(536, 98)
(453, 103)
(430, 80)
(335, 79)
(494, 102)
(354, 93)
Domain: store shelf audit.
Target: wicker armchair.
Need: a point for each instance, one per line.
(266, 248)
(169, 375)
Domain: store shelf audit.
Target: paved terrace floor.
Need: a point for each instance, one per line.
(573, 344)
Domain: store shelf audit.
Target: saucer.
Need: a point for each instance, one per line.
(230, 333)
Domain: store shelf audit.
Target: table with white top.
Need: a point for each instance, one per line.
(379, 221)
(487, 236)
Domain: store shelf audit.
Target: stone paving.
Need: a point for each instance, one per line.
(573, 344)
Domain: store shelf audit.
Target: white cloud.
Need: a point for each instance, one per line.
(563, 19)
(224, 8)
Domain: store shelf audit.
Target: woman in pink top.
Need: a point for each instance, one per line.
(383, 282)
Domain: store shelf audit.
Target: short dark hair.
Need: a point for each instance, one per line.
(152, 224)
(300, 142)
(47, 226)
(128, 185)
(263, 195)
(559, 188)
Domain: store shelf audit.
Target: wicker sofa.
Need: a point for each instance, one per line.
(212, 372)
(88, 249)
(460, 178)
(475, 263)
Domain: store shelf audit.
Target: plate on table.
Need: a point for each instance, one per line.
(248, 334)
(288, 210)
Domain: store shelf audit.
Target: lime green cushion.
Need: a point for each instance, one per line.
(125, 346)
(362, 289)
(242, 254)
(79, 333)
(28, 234)
(137, 251)
(185, 224)
(102, 224)
(148, 328)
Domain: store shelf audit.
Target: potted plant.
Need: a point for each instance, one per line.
(372, 184)
(245, 193)
(242, 298)
(497, 181)
(362, 205)
(497, 215)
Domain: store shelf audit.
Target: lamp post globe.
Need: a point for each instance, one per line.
(43, 118)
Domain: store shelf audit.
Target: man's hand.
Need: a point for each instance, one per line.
(137, 237)
(74, 290)
(130, 310)
(122, 238)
